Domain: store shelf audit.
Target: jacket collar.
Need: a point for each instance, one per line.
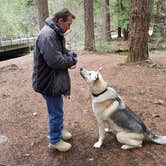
(54, 26)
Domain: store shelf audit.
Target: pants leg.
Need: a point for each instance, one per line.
(55, 117)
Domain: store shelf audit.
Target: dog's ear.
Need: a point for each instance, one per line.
(99, 69)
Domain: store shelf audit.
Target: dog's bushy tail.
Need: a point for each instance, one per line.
(155, 138)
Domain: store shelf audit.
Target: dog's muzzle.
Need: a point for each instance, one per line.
(81, 73)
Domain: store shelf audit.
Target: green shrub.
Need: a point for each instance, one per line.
(105, 47)
(109, 47)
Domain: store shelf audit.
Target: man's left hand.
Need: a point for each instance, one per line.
(72, 54)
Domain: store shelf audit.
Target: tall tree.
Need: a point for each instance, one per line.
(139, 26)
(119, 31)
(42, 11)
(107, 30)
(89, 25)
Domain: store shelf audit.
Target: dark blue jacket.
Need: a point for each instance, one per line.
(51, 63)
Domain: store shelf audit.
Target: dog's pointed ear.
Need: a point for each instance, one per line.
(99, 69)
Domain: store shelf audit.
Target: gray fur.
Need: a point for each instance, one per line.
(127, 119)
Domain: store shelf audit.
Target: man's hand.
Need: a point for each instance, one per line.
(72, 54)
(75, 62)
(74, 57)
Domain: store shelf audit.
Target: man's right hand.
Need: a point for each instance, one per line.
(73, 57)
(74, 63)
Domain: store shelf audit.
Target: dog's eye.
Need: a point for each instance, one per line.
(89, 74)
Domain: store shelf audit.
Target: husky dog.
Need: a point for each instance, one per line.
(110, 109)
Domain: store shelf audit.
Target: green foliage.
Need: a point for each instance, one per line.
(120, 13)
(105, 47)
(161, 42)
(17, 18)
(98, 8)
(158, 23)
(74, 6)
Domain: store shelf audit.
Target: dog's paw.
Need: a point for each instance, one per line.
(125, 147)
(107, 130)
(97, 144)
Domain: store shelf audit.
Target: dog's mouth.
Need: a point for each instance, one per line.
(82, 75)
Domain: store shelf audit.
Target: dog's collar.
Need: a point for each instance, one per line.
(95, 95)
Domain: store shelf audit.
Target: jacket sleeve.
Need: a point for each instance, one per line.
(52, 55)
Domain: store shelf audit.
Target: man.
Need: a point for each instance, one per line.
(50, 74)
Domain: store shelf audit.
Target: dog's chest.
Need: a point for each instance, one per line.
(101, 107)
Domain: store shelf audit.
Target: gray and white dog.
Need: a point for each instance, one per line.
(111, 111)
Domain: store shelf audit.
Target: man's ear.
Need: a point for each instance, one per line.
(60, 21)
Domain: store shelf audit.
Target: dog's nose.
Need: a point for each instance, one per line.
(81, 69)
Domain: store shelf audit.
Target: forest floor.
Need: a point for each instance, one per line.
(23, 115)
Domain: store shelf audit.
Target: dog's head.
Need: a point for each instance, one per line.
(89, 76)
(94, 80)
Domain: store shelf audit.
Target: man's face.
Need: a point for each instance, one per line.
(65, 25)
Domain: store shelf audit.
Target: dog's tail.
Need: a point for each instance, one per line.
(155, 138)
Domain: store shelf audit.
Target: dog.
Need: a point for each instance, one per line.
(110, 110)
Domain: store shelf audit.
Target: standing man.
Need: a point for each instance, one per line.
(50, 74)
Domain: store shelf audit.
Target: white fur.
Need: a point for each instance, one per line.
(160, 140)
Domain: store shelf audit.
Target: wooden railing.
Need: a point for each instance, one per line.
(11, 44)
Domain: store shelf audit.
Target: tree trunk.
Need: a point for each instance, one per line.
(125, 34)
(139, 26)
(119, 32)
(107, 30)
(89, 25)
(42, 11)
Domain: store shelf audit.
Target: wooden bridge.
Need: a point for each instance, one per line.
(15, 47)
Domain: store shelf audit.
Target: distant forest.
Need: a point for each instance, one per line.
(20, 18)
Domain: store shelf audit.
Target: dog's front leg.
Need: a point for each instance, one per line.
(101, 136)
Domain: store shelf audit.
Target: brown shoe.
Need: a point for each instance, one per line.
(61, 146)
(66, 135)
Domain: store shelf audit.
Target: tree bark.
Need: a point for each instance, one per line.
(107, 30)
(119, 32)
(42, 11)
(89, 25)
(125, 34)
(139, 26)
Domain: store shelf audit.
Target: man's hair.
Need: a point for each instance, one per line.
(64, 13)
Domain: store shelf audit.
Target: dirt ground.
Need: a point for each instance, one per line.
(23, 115)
